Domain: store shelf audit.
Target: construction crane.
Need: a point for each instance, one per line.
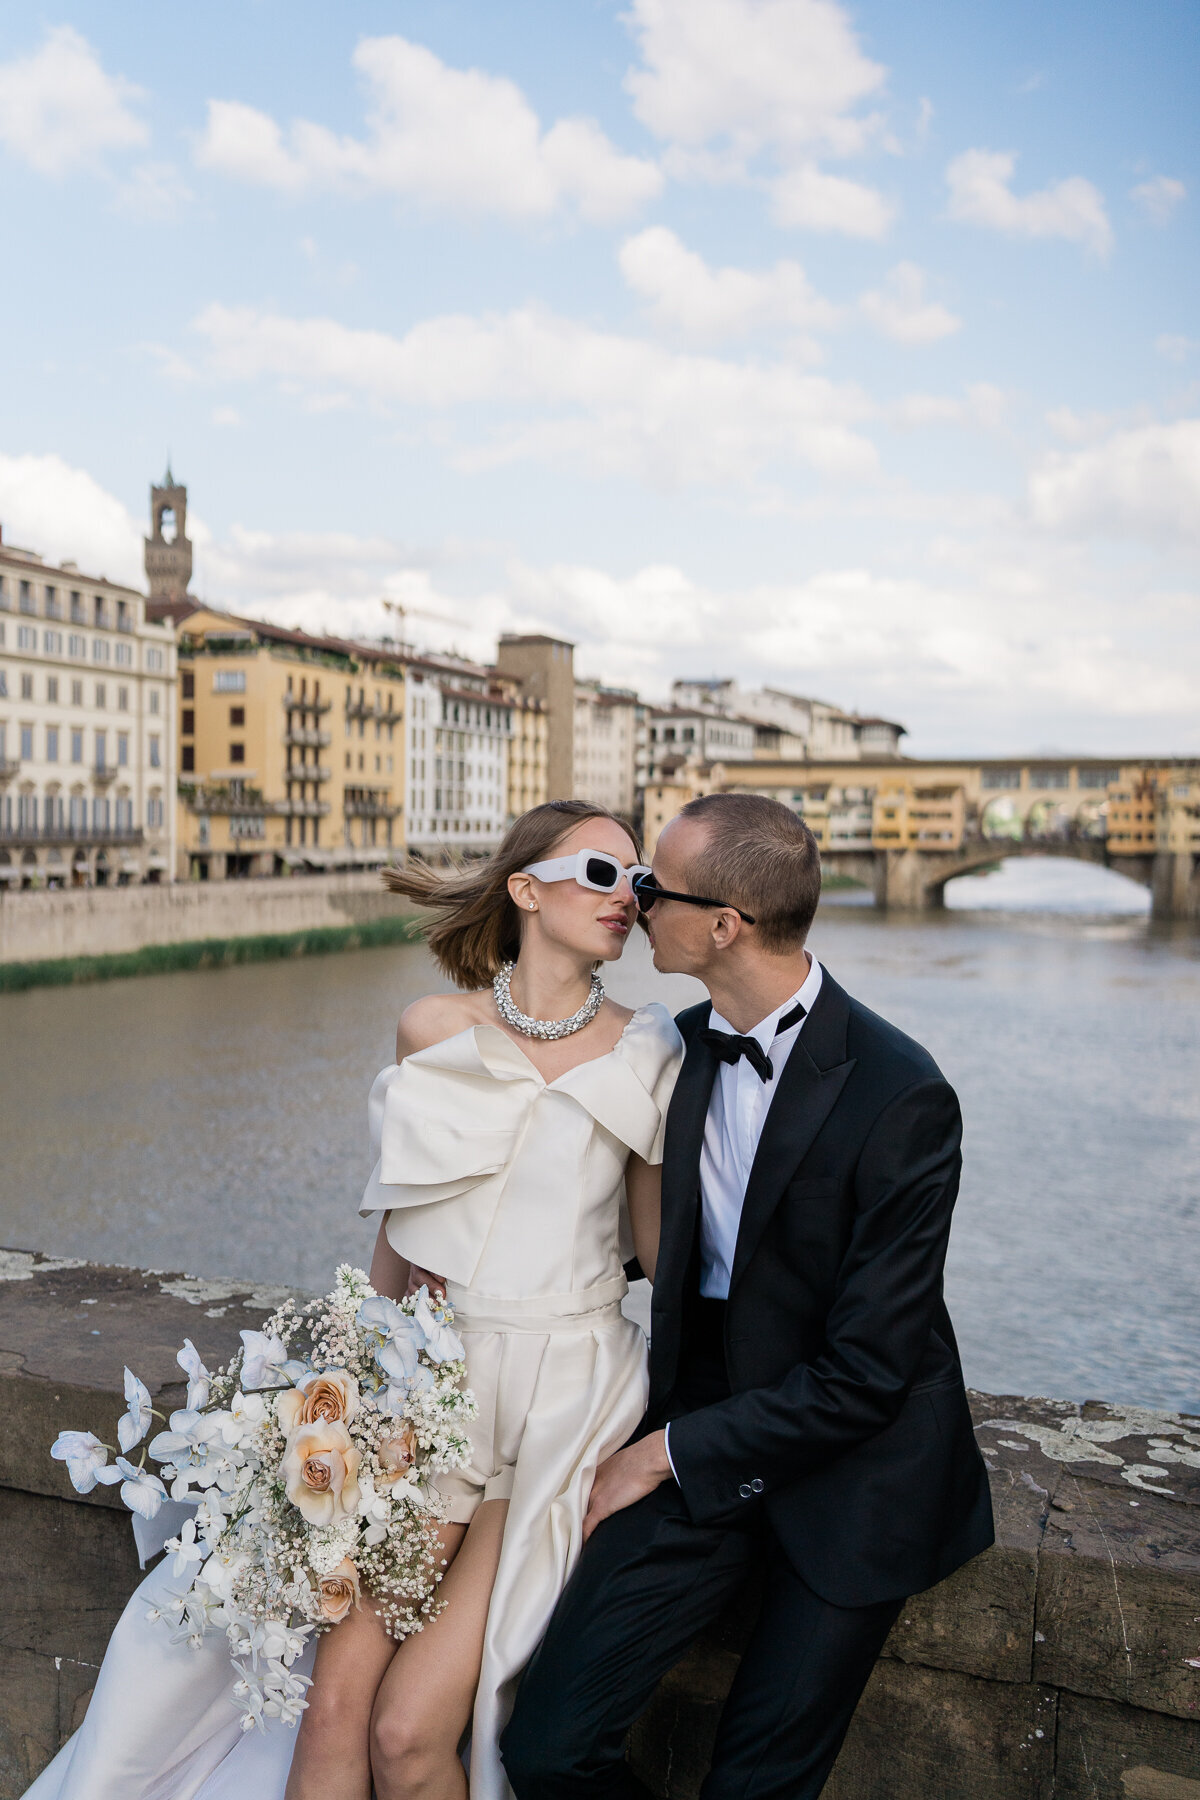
(404, 612)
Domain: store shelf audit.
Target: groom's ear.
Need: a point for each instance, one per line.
(726, 928)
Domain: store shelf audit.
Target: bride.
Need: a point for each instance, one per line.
(518, 1136)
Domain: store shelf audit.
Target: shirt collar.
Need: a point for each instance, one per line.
(764, 1031)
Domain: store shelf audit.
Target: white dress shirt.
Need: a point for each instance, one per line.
(737, 1111)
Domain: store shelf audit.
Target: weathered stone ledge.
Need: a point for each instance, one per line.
(1062, 1663)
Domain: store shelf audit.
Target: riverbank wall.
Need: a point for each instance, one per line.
(1064, 1664)
(39, 926)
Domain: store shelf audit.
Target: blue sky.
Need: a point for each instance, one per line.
(852, 348)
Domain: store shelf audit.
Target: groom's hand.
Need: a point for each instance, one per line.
(628, 1476)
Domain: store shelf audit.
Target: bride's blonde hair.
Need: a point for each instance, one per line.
(476, 926)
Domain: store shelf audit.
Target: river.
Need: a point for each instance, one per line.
(215, 1122)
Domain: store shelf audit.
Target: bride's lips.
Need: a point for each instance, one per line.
(617, 923)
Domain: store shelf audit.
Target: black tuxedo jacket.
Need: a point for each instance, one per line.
(848, 1414)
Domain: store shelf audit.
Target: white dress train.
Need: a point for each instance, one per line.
(512, 1188)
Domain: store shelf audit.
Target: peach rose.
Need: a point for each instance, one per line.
(320, 1471)
(324, 1397)
(339, 1591)
(397, 1454)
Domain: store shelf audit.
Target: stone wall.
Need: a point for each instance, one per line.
(1062, 1665)
(38, 925)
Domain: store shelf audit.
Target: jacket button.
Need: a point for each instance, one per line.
(757, 1485)
(745, 1490)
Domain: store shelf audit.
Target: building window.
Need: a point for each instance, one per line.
(188, 685)
(100, 613)
(187, 758)
(78, 617)
(124, 621)
(123, 654)
(155, 661)
(52, 643)
(3, 688)
(153, 699)
(237, 753)
(100, 650)
(101, 750)
(26, 637)
(26, 597)
(188, 722)
(101, 695)
(77, 693)
(27, 687)
(122, 699)
(52, 689)
(155, 752)
(77, 746)
(27, 743)
(52, 743)
(154, 813)
(76, 645)
(237, 715)
(123, 750)
(229, 681)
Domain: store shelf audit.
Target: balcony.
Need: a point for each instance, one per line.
(301, 809)
(9, 766)
(371, 809)
(306, 772)
(305, 738)
(359, 709)
(103, 773)
(298, 703)
(28, 837)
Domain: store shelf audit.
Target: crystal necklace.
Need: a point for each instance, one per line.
(512, 1015)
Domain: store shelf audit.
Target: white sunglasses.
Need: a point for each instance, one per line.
(594, 869)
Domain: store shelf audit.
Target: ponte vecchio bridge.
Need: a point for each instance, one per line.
(904, 828)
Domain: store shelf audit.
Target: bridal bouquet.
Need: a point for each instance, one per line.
(309, 1458)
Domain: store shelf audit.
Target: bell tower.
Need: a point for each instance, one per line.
(168, 549)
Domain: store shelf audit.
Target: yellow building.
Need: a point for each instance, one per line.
(1132, 814)
(528, 750)
(1177, 815)
(918, 816)
(663, 800)
(291, 750)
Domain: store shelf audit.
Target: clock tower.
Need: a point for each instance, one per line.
(168, 549)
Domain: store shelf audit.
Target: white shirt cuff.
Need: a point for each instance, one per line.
(667, 1448)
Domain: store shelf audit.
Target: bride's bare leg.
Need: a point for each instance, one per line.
(424, 1701)
(332, 1759)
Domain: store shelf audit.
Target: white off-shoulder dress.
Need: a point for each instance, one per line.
(513, 1189)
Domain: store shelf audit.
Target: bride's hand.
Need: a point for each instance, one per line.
(419, 1278)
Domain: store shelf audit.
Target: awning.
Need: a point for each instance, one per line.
(152, 862)
(293, 858)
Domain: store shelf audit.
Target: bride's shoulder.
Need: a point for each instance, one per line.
(435, 1017)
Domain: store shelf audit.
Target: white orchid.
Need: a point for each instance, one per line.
(133, 1425)
(186, 1552)
(248, 1412)
(441, 1342)
(199, 1379)
(264, 1359)
(142, 1492)
(86, 1459)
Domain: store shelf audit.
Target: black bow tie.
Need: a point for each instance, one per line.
(729, 1047)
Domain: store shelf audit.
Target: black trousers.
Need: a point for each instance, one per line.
(647, 1584)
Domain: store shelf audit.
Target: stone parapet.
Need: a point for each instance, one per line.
(1063, 1663)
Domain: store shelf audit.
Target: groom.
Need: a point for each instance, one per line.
(807, 1411)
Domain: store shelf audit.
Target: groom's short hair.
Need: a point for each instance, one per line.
(758, 855)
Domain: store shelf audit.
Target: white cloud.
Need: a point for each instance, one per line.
(980, 194)
(981, 405)
(754, 74)
(1159, 197)
(806, 198)
(154, 191)
(688, 294)
(1143, 482)
(459, 138)
(1175, 346)
(616, 404)
(60, 110)
(900, 310)
(65, 515)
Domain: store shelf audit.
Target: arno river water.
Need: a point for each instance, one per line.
(215, 1122)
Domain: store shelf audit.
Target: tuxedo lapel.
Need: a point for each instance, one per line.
(681, 1161)
(808, 1089)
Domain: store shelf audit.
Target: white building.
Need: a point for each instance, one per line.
(460, 724)
(87, 729)
(810, 729)
(605, 743)
(693, 735)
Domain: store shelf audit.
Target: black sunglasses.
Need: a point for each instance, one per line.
(646, 891)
